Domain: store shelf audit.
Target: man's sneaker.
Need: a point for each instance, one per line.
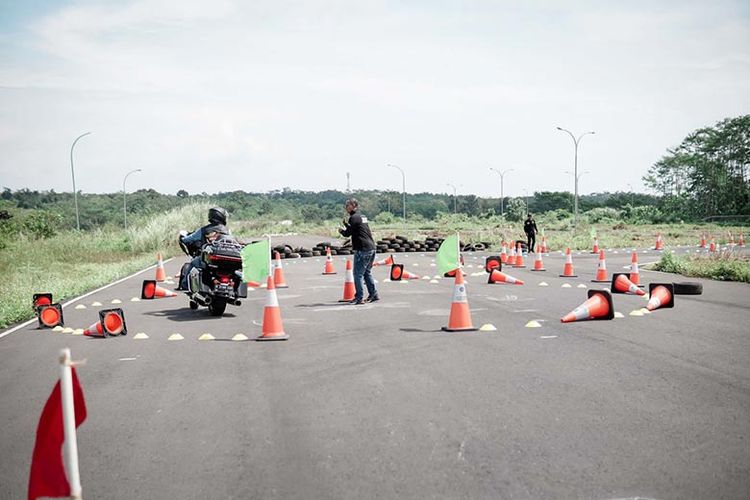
(372, 299)
(357, 302)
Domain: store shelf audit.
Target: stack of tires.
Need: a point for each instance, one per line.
(320, 248)
(288, 252)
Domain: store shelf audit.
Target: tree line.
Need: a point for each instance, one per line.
(706, 175)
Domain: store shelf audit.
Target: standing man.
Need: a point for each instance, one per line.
(357, 228)
(529, 227)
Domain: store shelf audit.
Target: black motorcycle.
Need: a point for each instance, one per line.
(220, 281)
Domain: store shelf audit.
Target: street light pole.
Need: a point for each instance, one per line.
(455, 206)
(403, 188)
(124, 198)
(575, 167)
(73, 174)
(502, 196)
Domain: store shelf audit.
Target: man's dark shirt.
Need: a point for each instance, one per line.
(359, 231)
(529, 226)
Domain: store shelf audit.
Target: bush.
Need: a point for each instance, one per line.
(643, 214)
(603, 214)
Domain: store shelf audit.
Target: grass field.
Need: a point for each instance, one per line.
(724, 266)
(72, 263)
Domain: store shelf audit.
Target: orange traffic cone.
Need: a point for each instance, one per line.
(500, 277)
(491, 263)
(598, 306)
(659, 243)
(398, 273)
(601, 270)
(538, 264)
(150, 290)
(621, 284)
(512, 257)
(95, 330)
(635, 275)
(278, 273)
(329, 263)
(385, 262)
(50, 315)
(731, 240)
(596, 246)
(273, 329)
(712, 246)
(460, 318)
(568, 267)
(504, 254)
(349, 291)
(161, 274)
(703, 241)
(545, 248)
(40, 299)
(741, 243)
(519, 257)
(112, 322)
(660, 295)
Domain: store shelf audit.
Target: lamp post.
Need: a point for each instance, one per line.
(455, 199)
(73, 174)
(632, 195)
(124, 197)
(502, 196)
(403, 188)
(575, 168)
(526, 195)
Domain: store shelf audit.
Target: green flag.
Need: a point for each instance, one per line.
(447, 255)
(256, 261)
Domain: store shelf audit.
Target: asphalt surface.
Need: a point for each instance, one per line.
(375, 401)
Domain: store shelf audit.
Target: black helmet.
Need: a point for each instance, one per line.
(217, 215)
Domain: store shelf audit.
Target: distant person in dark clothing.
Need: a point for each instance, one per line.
(357, 228)
(529, 227)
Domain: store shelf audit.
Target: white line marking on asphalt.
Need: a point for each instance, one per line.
(548, 337)
(127, 359)
(76, 299)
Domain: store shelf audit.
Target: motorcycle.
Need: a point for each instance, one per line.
(220, 281)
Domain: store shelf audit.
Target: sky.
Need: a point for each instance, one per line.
(266, 94)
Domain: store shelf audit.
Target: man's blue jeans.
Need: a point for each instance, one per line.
(362, 266)
(196, 262)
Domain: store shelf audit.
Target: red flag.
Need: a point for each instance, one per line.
(47, 477)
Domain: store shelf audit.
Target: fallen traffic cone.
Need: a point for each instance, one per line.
(598, 306)
(491, 263)
(500, 277)
(95, 330)
(660, 295)
(703, 241)
(398, 273)
(504, 254)
(273, 329)
(596, 246)
(161, 274)
(385, 262)
(150, 290)
(601, 270)
(659, 243)
(635, 275)
(40, 299)
(349, 291)
(278, 273)
(568, 267)
(512, 257)
(460, 317)
(50, 315)
(538, 264)
(113, 322)
(621, 284)
(519, 257)
(329, 263)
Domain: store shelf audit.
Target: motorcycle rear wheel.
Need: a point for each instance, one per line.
(217, 307)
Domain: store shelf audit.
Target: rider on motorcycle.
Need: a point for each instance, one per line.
(216, 228)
